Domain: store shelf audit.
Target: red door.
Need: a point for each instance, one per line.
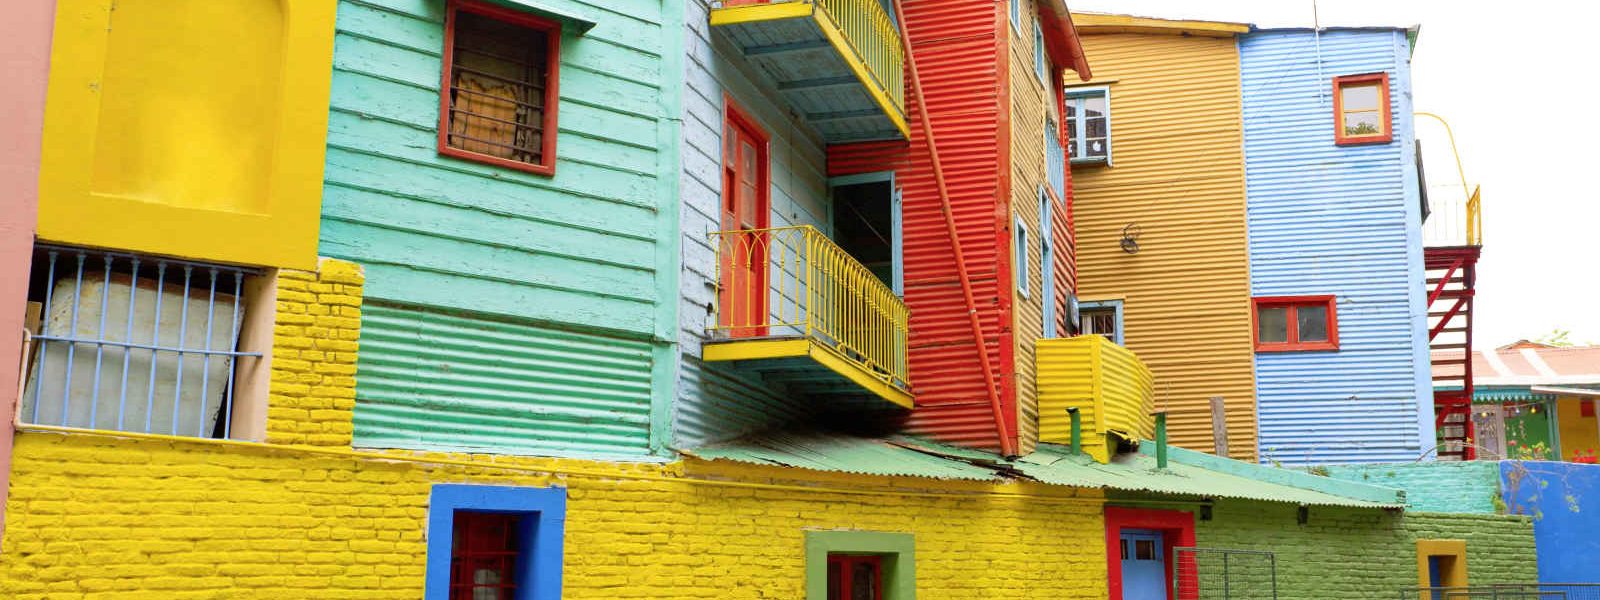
(742, 291)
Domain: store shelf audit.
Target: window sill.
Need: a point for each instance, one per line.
(1319, 347)
(1085, 162)
(547, 169)
(1364, 141)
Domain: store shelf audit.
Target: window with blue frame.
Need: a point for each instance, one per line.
(498, 542)
(1088, 121)
(1040, 61)
(1021, 257)
(1016, 16)
(1047, 266)
(1101, 318)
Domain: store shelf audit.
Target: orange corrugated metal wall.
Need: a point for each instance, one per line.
(960, 59)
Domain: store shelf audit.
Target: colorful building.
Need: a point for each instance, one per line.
(1535, 402)
(598, 299)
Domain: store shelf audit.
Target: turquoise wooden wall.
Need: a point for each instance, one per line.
(499, 301)
(717, 401)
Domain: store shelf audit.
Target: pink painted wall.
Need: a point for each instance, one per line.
(25, 64)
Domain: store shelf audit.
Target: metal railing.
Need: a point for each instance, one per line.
(873, 36)
(1224, 574)
(1507, 591)
(133, 343)
(1453, 222)
(795, 282)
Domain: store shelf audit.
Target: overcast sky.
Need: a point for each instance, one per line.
(1513, 81)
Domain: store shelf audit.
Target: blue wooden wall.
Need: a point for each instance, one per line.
(717, 401)
(1343, 220)
(497, 299)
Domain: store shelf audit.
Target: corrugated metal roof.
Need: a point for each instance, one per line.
(1189, 473)
(1524, 365)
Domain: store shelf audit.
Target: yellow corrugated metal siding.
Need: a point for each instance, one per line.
(1028, 106)
(1108, 384)
(1178, 174)
(1126, 392)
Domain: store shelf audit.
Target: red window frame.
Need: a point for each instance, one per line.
(1293, 303)
(485, 540)
(742, 296)
(1339, 83)
(552, 92)
(846, 564)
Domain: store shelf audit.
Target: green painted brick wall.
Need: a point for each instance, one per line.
(1453, 487)
(1364, 553)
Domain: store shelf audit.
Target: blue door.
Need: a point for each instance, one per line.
(1144, 571)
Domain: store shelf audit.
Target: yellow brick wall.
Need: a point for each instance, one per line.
(127, 516)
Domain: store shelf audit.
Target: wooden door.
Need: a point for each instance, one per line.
(742, 290)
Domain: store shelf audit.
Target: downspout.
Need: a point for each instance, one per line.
(1007, 445)
(1161, 440)
(1077, 430)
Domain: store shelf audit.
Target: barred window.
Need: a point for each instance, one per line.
(134, 343)
(499, 94)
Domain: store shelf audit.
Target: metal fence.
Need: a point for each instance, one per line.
(1507, 591)
(1223, 574)
(133, 343)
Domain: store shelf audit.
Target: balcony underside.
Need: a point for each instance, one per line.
(808, 367)
(807, 55)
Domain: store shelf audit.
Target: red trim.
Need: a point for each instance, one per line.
(736, 119)
(1387, 121)
(552, 92)
(1293, 303)
(847, 564)
(1176, 527)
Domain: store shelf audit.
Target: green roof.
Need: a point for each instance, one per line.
(1188, 474)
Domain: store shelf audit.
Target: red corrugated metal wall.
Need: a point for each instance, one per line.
(959, 57)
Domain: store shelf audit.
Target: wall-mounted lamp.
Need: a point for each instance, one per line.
(1130, 238)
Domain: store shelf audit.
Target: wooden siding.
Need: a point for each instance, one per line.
(717, 401)
(1178, 174)
(590, 250)
(960, 59)
(1030, 99)
(1342, 220)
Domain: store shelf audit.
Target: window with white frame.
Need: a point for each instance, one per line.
(1088, 121)
(1041, 62)
(135, 343)
(1016, 15)
(1021, 257)
(1101, 318)
(1047, 266)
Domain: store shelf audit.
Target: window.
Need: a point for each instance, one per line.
(1102, 318)
(1441, 564)
(1041, 63)
(1290, 323)
(1016, 16)
(1361, 109)
(135, 343)
(1047, 265)
(499, 96)
(1088, 121)
(494, 542)
(866, 224)
(1021, 258)
(860, 565)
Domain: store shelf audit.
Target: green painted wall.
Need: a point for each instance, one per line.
(1455, 487)
(591, 251)
(1365, 553)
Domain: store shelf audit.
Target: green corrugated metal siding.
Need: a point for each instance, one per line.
(430, 380)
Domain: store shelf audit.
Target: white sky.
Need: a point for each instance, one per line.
(1514, 81)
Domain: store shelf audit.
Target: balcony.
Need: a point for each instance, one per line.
(838, 62)
(795, 307)
(1108, 384)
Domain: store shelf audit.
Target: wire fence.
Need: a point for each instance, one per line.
(1222, 574)
(1507, 591)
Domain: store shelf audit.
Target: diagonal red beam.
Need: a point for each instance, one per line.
(1439, 289)
(1447, 316)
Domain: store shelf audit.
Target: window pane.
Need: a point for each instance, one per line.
(1360, 97)
(1363, 123)
(1124, 549)
(835, 581)
(1095, 106)
(1094, 127)
(864, 580)
(484, 553)
(1312, 322)
(1095, 147)
(1144, 550)
(1272, 324)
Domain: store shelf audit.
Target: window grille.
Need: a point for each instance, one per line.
(500, 87)
(133, 343)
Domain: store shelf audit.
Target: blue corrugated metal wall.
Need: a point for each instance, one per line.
(589, 253)
(717, 401)
(1343, 220)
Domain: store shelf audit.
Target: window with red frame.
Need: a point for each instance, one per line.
(499, 95)
(1294, 323)
(485, 556)
(855, 577)
(1361, 109)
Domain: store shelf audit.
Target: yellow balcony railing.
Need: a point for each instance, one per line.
(872, 34)
(794, 282)
(1111, 388)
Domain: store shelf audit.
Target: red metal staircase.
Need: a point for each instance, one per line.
(1451, 274)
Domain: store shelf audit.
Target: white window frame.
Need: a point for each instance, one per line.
(1016, 16)
(1047, 284)
(1021, 257)
(1085, 306)
(1041, 61)
(1077, 126)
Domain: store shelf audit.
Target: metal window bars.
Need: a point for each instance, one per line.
(134, 343)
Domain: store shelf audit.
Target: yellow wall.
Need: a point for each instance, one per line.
(1578, 433)
(1179, 174)
(302, 515)
(1029, 101)
(191, 128)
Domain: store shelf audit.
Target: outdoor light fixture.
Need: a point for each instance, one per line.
(1130, 238)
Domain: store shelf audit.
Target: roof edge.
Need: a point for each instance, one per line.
(1292, 478)
(1106, 23)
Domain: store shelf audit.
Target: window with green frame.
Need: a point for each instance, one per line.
(860, 565)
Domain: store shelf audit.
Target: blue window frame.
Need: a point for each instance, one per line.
(1103, 317)
(1088, 122)
(1021, 257)
(1047, 267)
(1016, 16)
(1041, 62)
(897, 279)
(542, 513)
